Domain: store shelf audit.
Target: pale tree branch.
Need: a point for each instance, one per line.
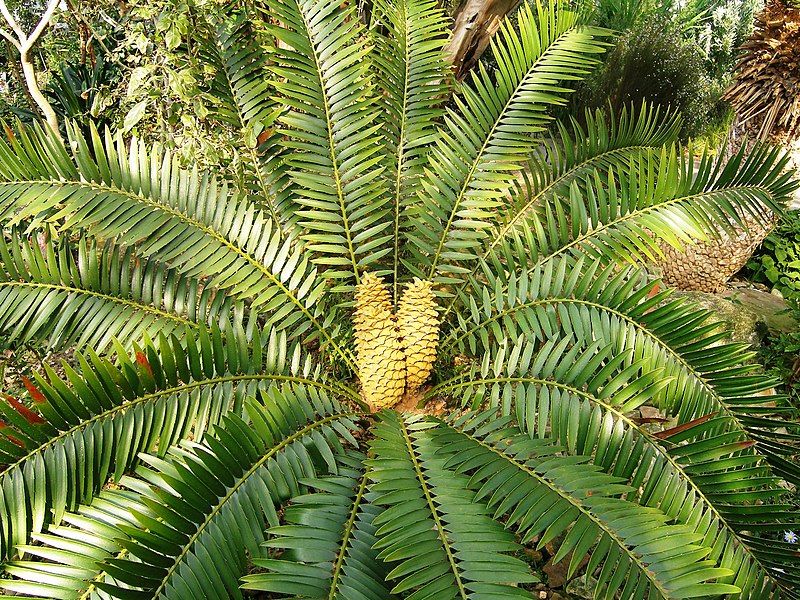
(24, 44)
(13, 65)
(10, 38)
(12, 22)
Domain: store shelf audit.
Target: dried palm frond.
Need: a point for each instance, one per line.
(766, 89)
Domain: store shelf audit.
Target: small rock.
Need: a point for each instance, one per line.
(543, 594)
(746, 312)
(768, 308)
(650, 412)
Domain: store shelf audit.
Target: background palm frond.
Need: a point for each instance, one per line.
(245, 102)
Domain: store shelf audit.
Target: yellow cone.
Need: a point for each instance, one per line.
(418, 321)
(379, 353)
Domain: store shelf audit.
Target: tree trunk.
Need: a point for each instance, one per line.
(476, 21)
(15, 73)
(36, 92)
(24, 44)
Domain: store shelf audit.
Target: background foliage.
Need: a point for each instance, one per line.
(678, 54)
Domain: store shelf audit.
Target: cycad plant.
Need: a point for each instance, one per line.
(395, 242)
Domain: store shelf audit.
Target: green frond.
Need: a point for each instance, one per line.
(671, 197)
(414, 75)
(91, 427)
(70, 293)
(560, 300)
(327, 544)
(212, 498)
(245, 103)
(333, 134)
(141, 198)
(586, 408)
(229, 457)
(544, 494)
(491, 133)
(440, 542)
(30, 154)
(606, 142)
(581, 364)
(64, 562)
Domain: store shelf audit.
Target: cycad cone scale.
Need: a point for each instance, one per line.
(418, 321)
(395, 353)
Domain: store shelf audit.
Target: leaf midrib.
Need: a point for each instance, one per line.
(401, 154)
(149, 308)
(211, 233)
(242, 480)
(173, 390)
(489, 137)
(348, 533)
(440, 530)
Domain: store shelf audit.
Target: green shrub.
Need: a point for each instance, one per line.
(723, 27)
(80, 92)
(653, 62)
(777, 262)
(780, 355)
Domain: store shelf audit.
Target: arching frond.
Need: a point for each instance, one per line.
(490, 134)
(141, 197)
(76, 293)
(544, 495)
(64, 563)
(333, 133)
(626, 214)
(413, 73)
(459, 551)
(584, 400)
(591, 351)
(91, 427)
(560, 300)
(327, 543)
(606, 142)
(212, 498)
